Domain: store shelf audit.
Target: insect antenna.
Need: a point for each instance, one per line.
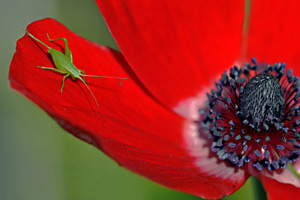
(102, 76)
(89, 90)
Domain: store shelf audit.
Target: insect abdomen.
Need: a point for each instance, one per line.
(63, 63)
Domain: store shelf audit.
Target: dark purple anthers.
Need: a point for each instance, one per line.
(253, 116)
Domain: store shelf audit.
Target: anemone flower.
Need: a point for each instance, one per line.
(180, 119)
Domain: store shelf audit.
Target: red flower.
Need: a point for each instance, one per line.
(173, 52)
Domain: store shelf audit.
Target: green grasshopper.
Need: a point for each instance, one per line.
(64, 64)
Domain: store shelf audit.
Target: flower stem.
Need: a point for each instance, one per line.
(291, 167)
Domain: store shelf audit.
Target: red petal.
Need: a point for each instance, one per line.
(129, 125)
(176, 48)
(284, 186)
(273, 32)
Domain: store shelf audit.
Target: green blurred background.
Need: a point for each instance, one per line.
(39, 160)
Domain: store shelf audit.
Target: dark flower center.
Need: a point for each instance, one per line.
(253, 117)
(261, 97)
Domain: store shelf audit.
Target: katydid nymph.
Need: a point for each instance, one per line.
(64, 64)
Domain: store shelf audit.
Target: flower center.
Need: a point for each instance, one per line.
(261, 97)
(253, 117)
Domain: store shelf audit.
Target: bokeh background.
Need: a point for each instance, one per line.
(38, 159)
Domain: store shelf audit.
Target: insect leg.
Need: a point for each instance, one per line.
(68, 52)
(38, 40)
(51, 68)
(83, 72)
(63, 82)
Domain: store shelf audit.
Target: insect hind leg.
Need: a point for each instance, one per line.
(68, 52)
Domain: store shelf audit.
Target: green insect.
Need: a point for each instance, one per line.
(64, 64)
